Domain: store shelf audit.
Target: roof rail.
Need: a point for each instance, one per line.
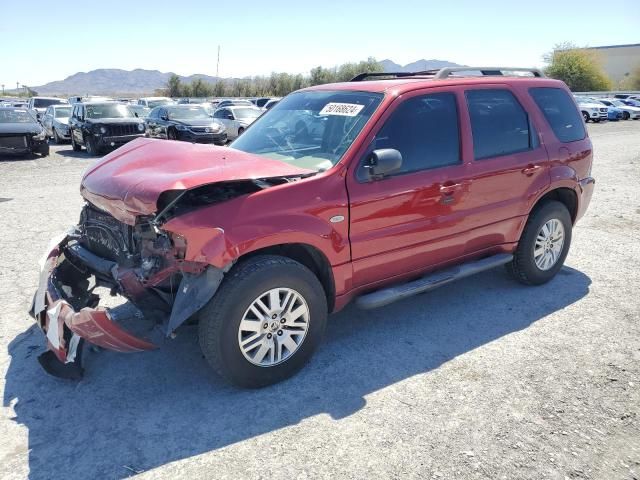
(488, 71)
(447, 71)
(362, 76)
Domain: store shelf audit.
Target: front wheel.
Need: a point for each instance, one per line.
(626, 115)
(74, 145)
(585, 116)
(91, 146)
(543, 246)
(265, 321)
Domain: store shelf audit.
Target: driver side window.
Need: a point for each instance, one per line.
(425, 130)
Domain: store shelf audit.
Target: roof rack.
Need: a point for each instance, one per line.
(447, 72)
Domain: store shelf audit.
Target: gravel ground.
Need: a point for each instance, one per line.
(482, 379)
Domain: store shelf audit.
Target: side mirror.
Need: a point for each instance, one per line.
(382, 162)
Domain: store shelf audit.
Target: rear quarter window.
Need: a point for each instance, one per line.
(561, 113)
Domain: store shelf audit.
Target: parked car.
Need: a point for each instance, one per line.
(101, 125)
(56, 122)
(631, 102)
(191, 123)
(20, 132)
(192, 100)
(234, 102)
(89, 98)
(260, 102)
(271, 103)
(413, 184)
(140, 111)
(626, 96)
(591, 110)
(153, 102)
(236, 119)
(38, 105)
(627, 111)
(613, 114)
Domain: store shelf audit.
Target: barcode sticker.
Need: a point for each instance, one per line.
(342, 109)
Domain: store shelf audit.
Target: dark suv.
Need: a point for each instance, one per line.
(366, 190)
(101, 125)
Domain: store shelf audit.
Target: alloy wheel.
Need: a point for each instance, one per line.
(274, 326)
(548, 245)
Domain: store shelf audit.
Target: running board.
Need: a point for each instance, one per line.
(383, 297)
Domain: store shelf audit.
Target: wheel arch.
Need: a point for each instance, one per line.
(309, 256)
(565, 195)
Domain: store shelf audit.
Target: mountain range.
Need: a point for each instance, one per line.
(112, 81)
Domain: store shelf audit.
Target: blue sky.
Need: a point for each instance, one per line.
(58, 39)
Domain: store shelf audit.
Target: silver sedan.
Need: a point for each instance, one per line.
(236, 118)
(55, 121)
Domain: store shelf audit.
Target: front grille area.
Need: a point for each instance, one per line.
(200, 129)
(121, 129)
(105, 236)
(14, 141)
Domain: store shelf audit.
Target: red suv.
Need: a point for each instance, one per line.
(372, 190)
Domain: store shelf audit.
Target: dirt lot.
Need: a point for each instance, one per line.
(480, 379)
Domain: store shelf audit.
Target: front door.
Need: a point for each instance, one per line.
(413, 218)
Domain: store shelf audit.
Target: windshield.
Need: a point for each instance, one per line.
(249, 112)
(45, 102)
(159, 102)
(617, 103)
(310, 129)
(15, 116)
(63, 112)
(108, 110)
(188, 113)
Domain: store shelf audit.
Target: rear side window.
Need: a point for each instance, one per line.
(499, 124)
(425, 131)
(561, 113)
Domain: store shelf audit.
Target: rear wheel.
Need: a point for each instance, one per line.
(264, 322)
(626, 115)
(543, 246)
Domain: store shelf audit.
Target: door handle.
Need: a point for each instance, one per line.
(531, 169)
(450, 188)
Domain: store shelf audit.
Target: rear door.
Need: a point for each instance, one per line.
(415, 217)
(509, 167)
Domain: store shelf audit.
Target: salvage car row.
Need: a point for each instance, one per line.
(99, 124)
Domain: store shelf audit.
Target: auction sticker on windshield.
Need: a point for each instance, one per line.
(342, 109)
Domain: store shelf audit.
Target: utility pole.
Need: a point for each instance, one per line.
(3, 89)
(218, 64)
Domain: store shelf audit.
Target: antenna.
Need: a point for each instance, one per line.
(218, 64)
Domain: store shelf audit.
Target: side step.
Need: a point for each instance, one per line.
(383, 297)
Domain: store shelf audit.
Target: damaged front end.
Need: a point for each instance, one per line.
(140, 262)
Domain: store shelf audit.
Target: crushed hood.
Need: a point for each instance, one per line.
(127, 182)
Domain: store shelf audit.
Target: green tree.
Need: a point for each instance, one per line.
(579, 68)
(174, 86)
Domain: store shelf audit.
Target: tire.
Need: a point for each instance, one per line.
(171, 134)
(74, 145)
(219, 329)
(56, 138)
(523, 267)
(626, 115)
(44, 151)
(90, 145)
(240, 131)
(586, 117)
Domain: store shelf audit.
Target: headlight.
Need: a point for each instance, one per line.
(141, 127)
(217, 127)
(40, 136)
(103, 130)
(182, 128)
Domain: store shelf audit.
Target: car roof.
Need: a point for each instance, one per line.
(402, 85)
